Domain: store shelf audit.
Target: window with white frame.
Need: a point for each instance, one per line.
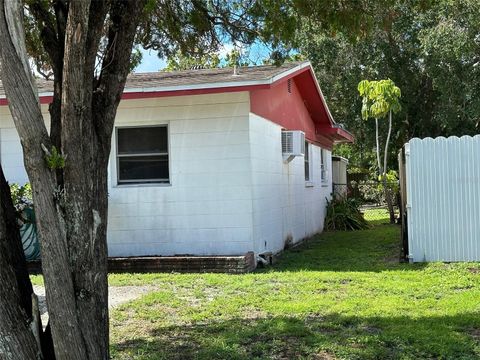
(323, 165)
(142, 155)
(306, 158)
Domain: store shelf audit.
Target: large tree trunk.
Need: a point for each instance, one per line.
(30, 125)
(15, 253)
(72, 221)
(17, 340)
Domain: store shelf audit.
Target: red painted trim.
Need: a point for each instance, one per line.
(346, 135)
(156, 94)
(323, 142)
(43, 100)
(46, 99)
(337, 133)
(290, 76)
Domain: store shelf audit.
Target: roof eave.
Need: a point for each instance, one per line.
(193, 89)
(337, 134)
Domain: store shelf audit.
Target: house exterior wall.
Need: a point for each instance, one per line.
(286, 208)
(11, 154)
(443, 197)
(284, 105)
(207, 207)
(230, 191)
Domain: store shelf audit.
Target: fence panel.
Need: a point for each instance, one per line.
(443, 198)
(371, 197)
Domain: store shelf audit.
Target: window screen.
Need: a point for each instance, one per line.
(142, 155)
(323, 169)
(307, 162)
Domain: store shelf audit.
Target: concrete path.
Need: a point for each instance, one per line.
(117, 295)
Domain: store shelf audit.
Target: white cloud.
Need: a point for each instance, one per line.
(150, 62)
(225, 49)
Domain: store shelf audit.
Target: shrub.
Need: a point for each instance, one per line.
(22, 197)
(343, 214)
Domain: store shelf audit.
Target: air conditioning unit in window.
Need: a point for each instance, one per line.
(293, 144)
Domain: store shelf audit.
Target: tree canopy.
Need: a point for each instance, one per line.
(430, 49)
(379, 98)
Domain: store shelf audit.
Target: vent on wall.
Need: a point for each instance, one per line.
(293, 144)
(289, 86)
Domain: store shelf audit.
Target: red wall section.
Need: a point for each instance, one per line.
(287, 109)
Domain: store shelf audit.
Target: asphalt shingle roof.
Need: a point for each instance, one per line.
(190, 77)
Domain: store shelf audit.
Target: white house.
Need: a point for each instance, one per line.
(197, 166)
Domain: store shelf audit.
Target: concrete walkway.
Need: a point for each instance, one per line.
(117, 295)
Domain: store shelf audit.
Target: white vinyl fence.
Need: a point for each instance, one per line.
(443, 198)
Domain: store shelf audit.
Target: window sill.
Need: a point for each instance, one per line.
(141, 185)
(309, 184)
(325, 184)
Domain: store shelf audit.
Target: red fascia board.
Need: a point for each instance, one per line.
(155, 94)
(43, 100)
(345, 135)
(337, 133)
(290, 76)
(322, 141)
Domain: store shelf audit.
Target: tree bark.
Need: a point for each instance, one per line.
(26, 112)
(380, 170)
(73, 219)
(15, 253)
(17, 341)
(386, 186)
(387, 142)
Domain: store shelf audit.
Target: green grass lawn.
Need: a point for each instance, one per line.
(343, 295)
(378, 215)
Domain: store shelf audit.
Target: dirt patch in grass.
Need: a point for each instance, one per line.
(323, 355)
(475, 334)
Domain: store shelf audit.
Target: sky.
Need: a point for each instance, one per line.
(151, 62)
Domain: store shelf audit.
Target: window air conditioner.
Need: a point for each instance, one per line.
(293, 144)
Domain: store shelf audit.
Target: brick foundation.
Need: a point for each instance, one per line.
(183, 264)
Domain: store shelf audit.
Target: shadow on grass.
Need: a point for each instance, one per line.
(376, 249)
(315, 337)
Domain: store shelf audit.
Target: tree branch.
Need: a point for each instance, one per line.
(115, 66)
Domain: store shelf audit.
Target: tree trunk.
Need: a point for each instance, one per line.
(17, 341)
(387, 142)
(388, 198)
(15, 254)
(386, 186)
(380, 170)
(72, 222)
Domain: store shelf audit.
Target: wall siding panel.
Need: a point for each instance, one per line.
(284, 208)
(206, 209)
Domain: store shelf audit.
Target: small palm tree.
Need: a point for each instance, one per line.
(381, 99)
